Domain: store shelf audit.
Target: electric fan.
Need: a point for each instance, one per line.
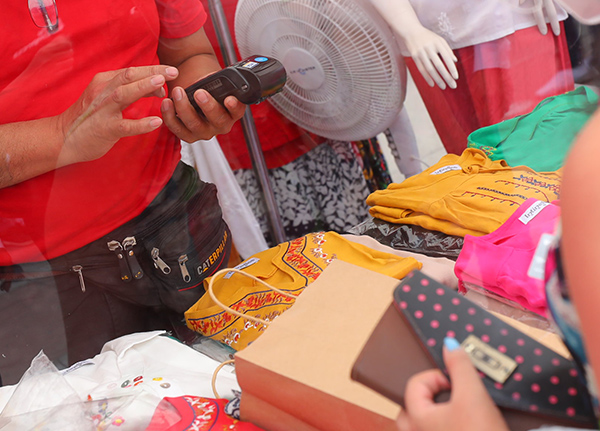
(346, 77)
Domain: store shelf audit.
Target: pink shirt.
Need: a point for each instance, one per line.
(499, 262)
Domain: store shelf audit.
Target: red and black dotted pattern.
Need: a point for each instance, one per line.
(544, 382)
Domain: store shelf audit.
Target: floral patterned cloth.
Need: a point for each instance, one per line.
(324, 189)
(192, 413)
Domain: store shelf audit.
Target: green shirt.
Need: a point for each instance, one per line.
(542, 138)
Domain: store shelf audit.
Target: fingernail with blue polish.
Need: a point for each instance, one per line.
(451, 343)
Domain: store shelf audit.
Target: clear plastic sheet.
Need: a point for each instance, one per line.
(500, 305)
(411, 238)
(44, 400)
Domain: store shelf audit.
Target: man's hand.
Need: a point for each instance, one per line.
(183, 120)
(470, 407)
(93, 124)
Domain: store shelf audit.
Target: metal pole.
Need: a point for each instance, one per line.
(256, 155)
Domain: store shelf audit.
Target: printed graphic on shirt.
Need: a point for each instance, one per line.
(197, 414)
(296, 258)
(528, 183)
(290, 267)
(467, 194)
(503, 196)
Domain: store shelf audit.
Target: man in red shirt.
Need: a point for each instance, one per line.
(89, 159)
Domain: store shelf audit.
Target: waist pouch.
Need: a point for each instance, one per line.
(159, 258)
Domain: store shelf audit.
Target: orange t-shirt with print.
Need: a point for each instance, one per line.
(466, 194)
(290, 267)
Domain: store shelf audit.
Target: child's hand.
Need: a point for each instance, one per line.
(470, 407)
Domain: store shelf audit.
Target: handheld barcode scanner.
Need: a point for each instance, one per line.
(251, 81)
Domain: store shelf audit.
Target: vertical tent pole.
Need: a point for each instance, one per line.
(256, 155)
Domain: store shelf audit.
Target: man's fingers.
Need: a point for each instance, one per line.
(183, 120)
(132, 74)
(235, 107)
(186, 112)
(174, 123)
(215, 113)
(125, 95)
(125, 127)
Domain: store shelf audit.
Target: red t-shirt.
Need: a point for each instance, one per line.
(43, 74)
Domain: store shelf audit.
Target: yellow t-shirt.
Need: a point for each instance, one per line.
(289, 266)
(466, 194)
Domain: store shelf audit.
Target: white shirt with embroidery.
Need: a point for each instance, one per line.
(471, 22)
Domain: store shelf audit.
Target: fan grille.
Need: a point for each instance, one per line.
(346, 79)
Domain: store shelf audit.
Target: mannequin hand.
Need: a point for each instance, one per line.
(538, 12)
(183, 120)
(433, 56)
(431, 53)
(470, 408)
(94, 123)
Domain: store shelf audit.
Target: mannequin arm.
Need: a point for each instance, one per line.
(431, 53)
(540, 18)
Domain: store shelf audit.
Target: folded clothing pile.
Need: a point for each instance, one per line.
(500, 261)
(467, 194)
(290, 267)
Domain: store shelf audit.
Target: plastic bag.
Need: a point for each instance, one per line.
(43, 400)
(411, 238)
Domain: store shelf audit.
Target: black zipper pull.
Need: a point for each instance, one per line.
(117, 248)
(184, 271)
(134, 265)
(158, 262)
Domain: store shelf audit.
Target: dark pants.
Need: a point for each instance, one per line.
(71, 305)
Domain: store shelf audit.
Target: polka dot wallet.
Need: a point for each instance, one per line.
(531, 383)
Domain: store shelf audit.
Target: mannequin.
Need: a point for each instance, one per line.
(479, 63)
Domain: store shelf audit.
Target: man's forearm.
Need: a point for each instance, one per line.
(194, 68)
(193, 56)
(29, 149)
